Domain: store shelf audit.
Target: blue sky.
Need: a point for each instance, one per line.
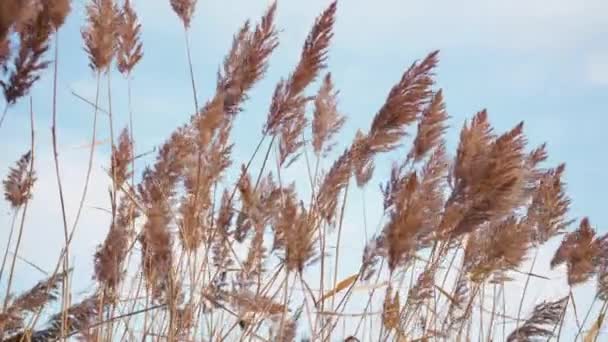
(541, 61)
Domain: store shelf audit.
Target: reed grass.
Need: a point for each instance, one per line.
(241, 260)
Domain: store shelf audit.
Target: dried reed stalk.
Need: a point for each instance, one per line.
(540, 324)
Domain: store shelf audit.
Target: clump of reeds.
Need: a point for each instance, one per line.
(222, 258)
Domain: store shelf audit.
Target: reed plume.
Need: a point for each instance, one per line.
(499, 188)
(111, 255)
(300, 237)
(221, 253)
(129, 46)
(80, 317)
(59, 10)
(402, 107)
(415, 204)
(327, 121)
(220, 249)
(156, 190)
(334, 182)
(103, 21)
(550, 204)
(500, 248)
(431, 127)
(579, 250)
(390, 309)
(30, 301)
(247, 61)
(122, 156)
(540, 324)
(19, 182)
(184, 10)
(287, 111)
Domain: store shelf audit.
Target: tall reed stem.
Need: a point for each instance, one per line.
(523, 295)
(4, 112)
(8, 242)
(23, 213)
(190, 67)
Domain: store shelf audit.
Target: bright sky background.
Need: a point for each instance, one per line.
(541, 61)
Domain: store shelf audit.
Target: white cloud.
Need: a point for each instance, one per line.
(43, 236)
(597, 69)
(512, 25)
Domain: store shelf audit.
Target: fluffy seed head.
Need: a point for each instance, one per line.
(19, 182)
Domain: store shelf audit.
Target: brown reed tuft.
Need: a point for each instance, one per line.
(549, 205)
(247, 60)
(221, 252)
(402, 107)
(204, 164)
(493, 178)
(248, 302)
(498, 249)
(363, 162)
(332, 185)
(58, 12)
(579, 250)
(540, 324)
(19, 182)
(430, 128)
(327, 121)
(157, 190)
(14, 14)
(391, 309)
(286, 332)
(422, 290)
(300, 239)
(157, 254)
(475, 140)
(415, 204)
(80, 317)
(30, 301)
(253, 266)
(185, 321)
(287, 110)
(110, 256)
(184, 10)
(260, 206)
(100, 34)
(122, 155)
(130, 50)
(43, 292)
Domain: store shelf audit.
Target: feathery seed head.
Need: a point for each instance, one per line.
(19, 182)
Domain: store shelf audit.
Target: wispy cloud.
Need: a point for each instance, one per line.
(597, 68)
